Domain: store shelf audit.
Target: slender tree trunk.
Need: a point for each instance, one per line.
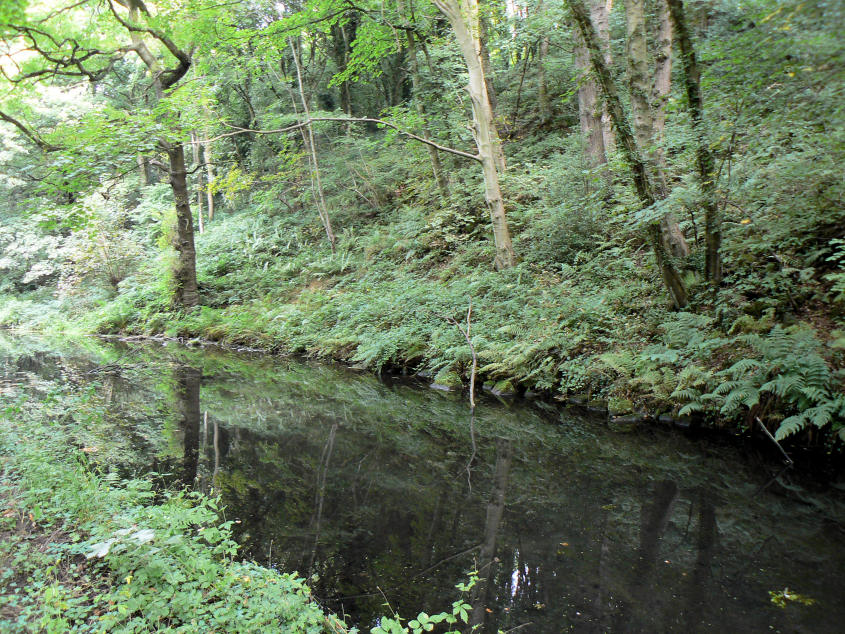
(662, 85)
(464, 20)
(543, 101)
(600, 12)
(195, 146)
(704, 157)
(340, 51)
(143, 171)
(645, 192)
(436, 167)
(483, 34)
(320, 200)
(209, 175)
(644, 114)
(589, 108)
(185, 267)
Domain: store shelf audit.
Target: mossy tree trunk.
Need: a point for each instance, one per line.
(645, 117)
(625, 137)
(186, 293)
(704, 156)
(589, 105)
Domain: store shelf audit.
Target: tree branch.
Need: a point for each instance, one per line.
(28, 133)
(302, 124)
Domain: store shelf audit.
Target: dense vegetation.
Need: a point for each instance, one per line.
(632, 214)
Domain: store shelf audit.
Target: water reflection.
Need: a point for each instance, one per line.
(187, 384)
(378, 492)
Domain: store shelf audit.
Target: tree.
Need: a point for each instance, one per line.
(646, 116)
(75, 57)
(463, 16)
(645, 191)
(704, 156)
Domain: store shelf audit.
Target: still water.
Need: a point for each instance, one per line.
(384, 492)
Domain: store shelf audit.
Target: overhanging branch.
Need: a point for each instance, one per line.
(28, 133)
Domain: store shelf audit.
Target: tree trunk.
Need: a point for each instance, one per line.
(662, 86)
(600, 12)
(143, 171)
(543, 101)
(704, 157)
(185, 267)
(436, 167)
(209, 173)
(186, 293)
(671, 235)
(464, 21)
(589, 108)
(642, 184)
(340, 51)
(195, 146)
(483, 32)
(638, 72)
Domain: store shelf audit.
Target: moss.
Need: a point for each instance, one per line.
(447, 380)
(619, 406)
(504, 388)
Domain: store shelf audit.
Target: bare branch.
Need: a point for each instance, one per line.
(302, 124)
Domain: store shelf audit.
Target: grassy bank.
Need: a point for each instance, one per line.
(82, 550)
(600, 330)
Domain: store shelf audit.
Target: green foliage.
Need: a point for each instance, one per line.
(459, 613)
(155, 561)
(583, 311)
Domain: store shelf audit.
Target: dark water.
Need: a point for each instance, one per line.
(386, 492)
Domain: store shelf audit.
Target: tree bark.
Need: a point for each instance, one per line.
(209, 173)
(704, 157)
(589, 108)
(341, 49)
(483, 33)
(671, 278)
(543, 101)
(186, 293)
(662, 85)
(600, 12)
(464, 20)
(638, 72)
(644, 114)
(143, 171)
(197, 166)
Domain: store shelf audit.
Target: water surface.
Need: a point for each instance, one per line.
(385, 492)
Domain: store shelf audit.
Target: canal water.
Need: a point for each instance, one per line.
(385, 495)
